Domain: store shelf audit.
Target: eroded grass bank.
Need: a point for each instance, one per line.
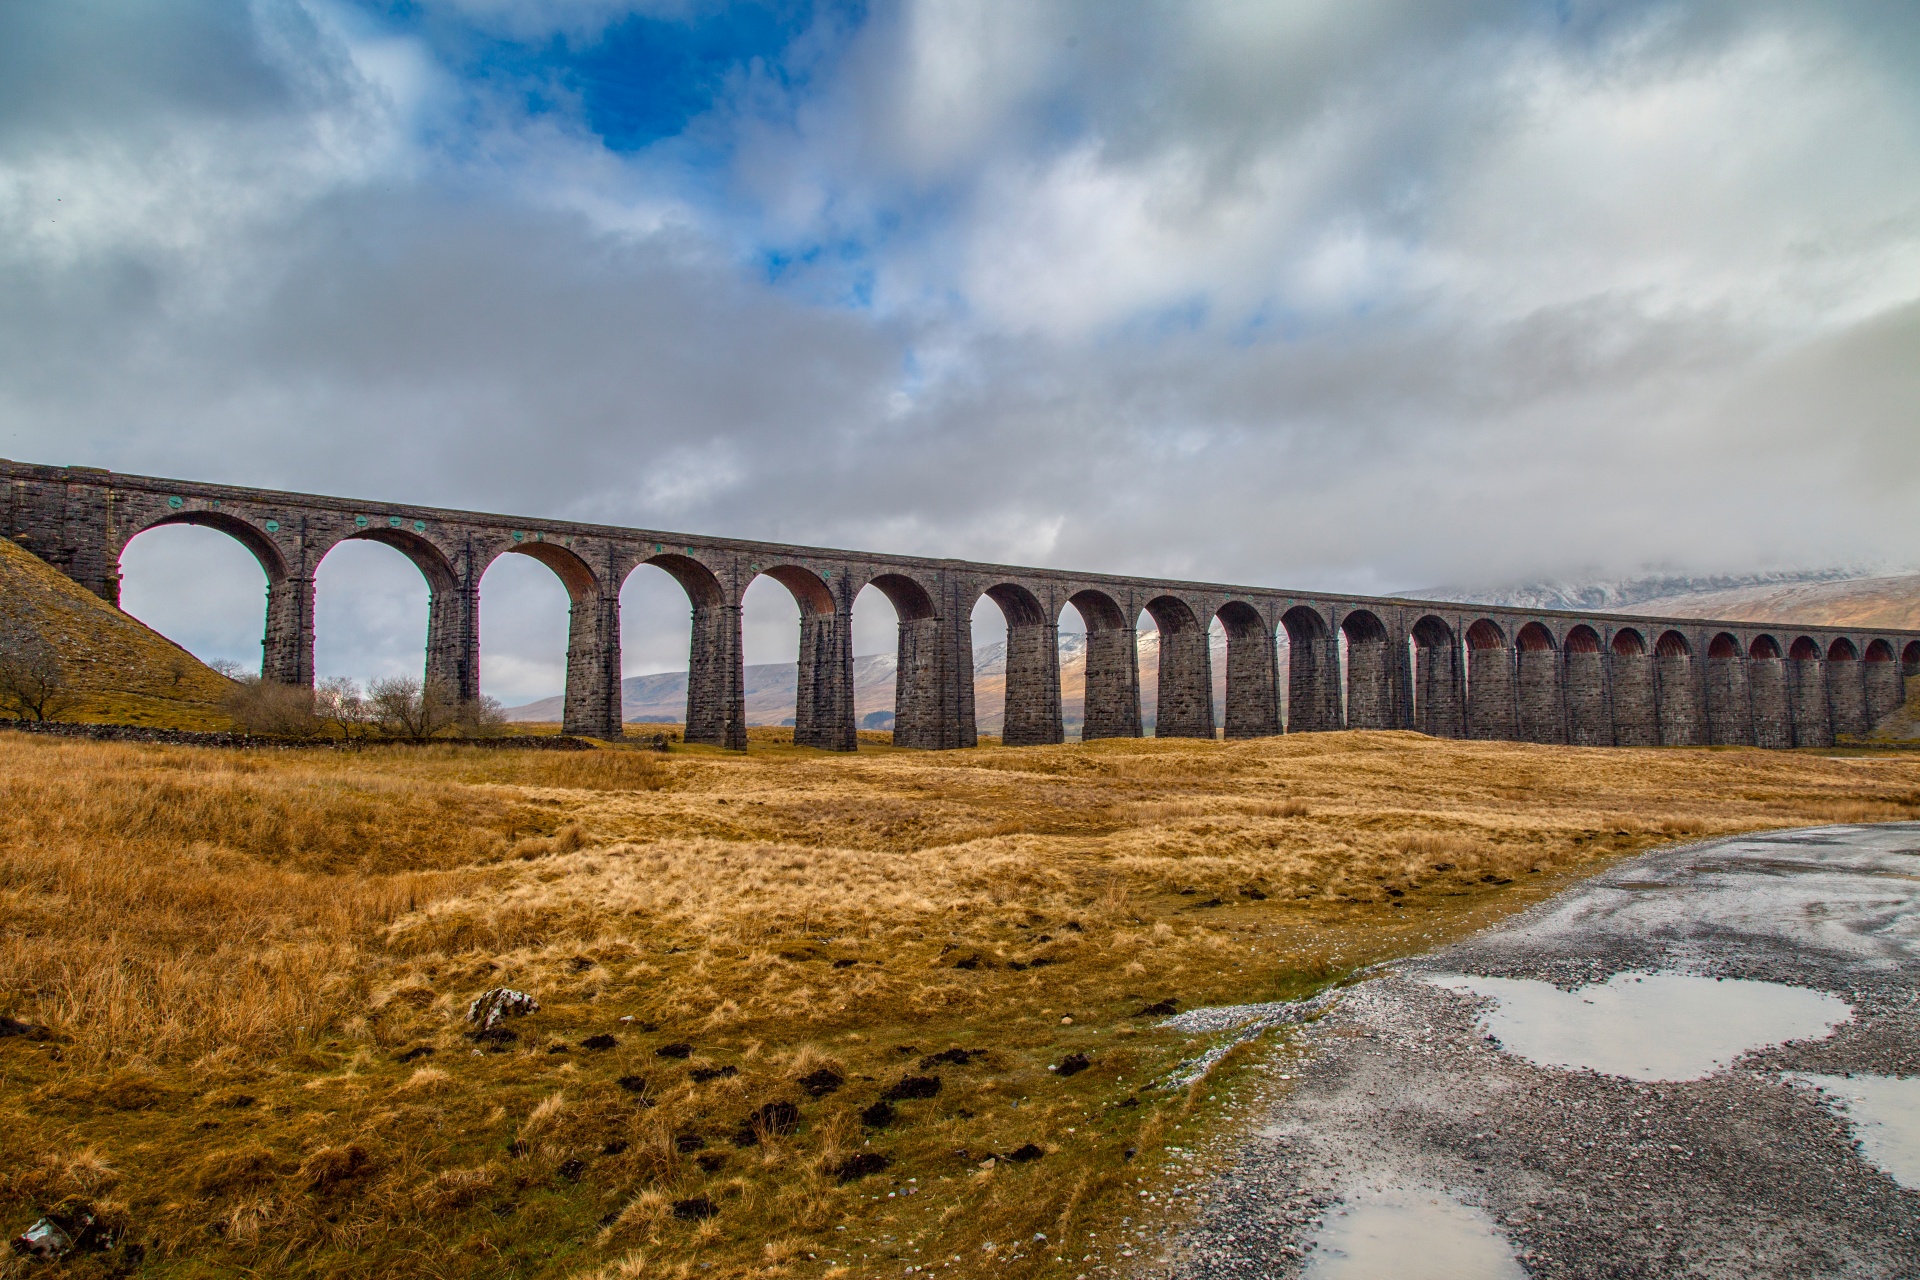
(254, 968)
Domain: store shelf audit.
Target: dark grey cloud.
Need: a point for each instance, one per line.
(1368, 295)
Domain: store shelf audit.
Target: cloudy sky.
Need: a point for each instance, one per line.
(1368, 294)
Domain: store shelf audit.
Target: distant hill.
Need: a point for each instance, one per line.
(770, 688)
(1832, 597)
(123, 672)
(1628, 595)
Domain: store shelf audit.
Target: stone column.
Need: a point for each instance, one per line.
(1253, 682)
(1033, 686)
(716, 681)
(1186, 685)
(1634, 722)
(1440, 702)
(1585, 683)
(1313, 684)
(453, 639)
(1812, 713)
(1369, 684)
(1491, 708)
(1884, 690)
(1772, 712)
(1539, 698)
(1729, 702)
(1113, 685)
(286, 651)
(823, 699)
(933, 690)
(1847, 690)
(1679, 694)
(593, 704)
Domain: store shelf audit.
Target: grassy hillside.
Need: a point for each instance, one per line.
(253, 969)
(123, 671)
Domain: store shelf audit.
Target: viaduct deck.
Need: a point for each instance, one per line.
(1341, 661)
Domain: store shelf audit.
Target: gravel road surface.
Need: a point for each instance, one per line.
(1705, 1062)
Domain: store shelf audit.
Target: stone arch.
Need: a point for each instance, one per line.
(1728, 693)
(1537, 677)
(249, 535)
(716, 694)
(425, 554)
(1490, 688)
(1313, 671)
(920, 695)
(1771, 696)
(1439, 683)
(1910, 657)
(1677, 697)
(1110, 706)
(1630, 674)
(1032, 715)
(591, 704)
(1846, 688)
(1881, 676)
(823, 711)
(1370, 702)
(1583, 670)
(286, 644)
(1184, 708)
(1807, 685)
(809, 591)
(453, 621)
(1253, 673)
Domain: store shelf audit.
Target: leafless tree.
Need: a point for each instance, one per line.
(33, 680)
(403, 707)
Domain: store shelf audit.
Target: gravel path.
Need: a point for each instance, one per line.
(1422, 1133)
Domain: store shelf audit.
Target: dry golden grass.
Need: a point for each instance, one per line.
(245, 958)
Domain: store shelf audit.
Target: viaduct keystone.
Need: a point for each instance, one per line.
(1296, 661)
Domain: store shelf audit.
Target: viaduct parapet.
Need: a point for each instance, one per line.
(1296, 661)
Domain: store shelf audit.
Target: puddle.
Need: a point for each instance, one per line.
(1649, 1026)
(1884, 1112)
(1410, 1235)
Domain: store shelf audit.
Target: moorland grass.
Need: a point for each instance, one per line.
(253, 967)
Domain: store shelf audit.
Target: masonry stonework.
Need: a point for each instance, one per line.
(1449, 670)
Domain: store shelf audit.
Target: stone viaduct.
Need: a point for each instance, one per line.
(1296, 661)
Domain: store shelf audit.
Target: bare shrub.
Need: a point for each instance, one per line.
(33, 680)
(272, 709)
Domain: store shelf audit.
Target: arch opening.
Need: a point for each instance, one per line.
(1534, 638)
(1723, 646)
(201, 586)
(1910, 655)
(1582, 639)
(1805, 649)
(1629, 643)
(1879, 651)
(1842, 650)
(1672, 644)
(1764, 647)
(1485, 634)
(1431, 633)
